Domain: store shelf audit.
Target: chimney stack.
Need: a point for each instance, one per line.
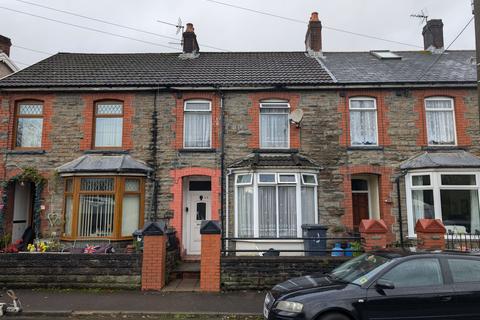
(5, 45)
(433, 36)
(190, 44)
(313, 38)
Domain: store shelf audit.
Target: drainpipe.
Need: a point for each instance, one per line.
(153, 158)
(222, 165)
(399, 200)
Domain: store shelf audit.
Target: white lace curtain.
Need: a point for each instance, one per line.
(287, 211)
(245, 211)
(267, 212)
(198, 126)
(363, 122)
(308, 205)
(274, 128)
(108, 132)
(440, 123)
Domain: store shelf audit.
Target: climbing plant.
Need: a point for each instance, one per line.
(28, 174)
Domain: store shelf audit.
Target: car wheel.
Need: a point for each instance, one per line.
(334, 316)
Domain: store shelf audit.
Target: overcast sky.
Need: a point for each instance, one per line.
(226, 27)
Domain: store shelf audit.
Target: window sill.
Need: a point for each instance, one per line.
(27, 152)
(366, 148)
(275, 150)
(197, 150)
(433, 148)
(260, 240)
(106, 151)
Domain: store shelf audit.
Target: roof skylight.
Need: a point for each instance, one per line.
(385, 54)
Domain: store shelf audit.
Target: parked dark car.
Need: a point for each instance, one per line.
(384, 285)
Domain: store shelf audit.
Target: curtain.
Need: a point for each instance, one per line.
(363, 127)
(440, 128)
(68, 215)
(308, 205)
(267, 207)
(29, 132)
(245, 211)
(130, 214)
(197, 129)
(108, 132)
(287, 211)
(96, 215)
(474, 212)
(274, 129)
(423, 204)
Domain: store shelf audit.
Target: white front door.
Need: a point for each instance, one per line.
(21, 210)
(198, 209)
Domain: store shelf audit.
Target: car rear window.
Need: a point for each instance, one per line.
(465, 270)
(416, 273)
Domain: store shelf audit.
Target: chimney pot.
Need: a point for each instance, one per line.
(5, 44)
(190, 28)
(314, 16)
(313, 38)
(433, 36)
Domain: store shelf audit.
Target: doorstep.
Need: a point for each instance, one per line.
(183, 285)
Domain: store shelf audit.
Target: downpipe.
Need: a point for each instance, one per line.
(399, 205)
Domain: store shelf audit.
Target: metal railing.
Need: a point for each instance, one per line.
(463, 242)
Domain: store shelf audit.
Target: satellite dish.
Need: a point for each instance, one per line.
(296, 116)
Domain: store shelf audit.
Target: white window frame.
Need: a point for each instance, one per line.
(244, 183)
(436, 186)
(375, 108)
(267, 173)
(272, 105)
(205, 111)
(287, 182)
(452, 109)
(256, 183)
(309, 183)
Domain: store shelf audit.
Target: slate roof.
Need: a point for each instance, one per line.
(364, 67)
(256, 160)
(100, 163)
(444, 159)
(167, 69)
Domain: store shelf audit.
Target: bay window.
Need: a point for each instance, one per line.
(29, 124)
(440, 120)
(108, 124)
(452, 197)
(102, 206)
(273, 205)
(197, 124)
(363, 122)
(274, 125)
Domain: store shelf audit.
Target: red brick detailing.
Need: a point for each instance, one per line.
(46, 99)
(154, 262)
(385, 186)
(178, 115)
(210, 263)
(430, 234)
(461, 121)
(374, 234)
(177, 190)
(382, 119)
(128, 112)
(254, 113)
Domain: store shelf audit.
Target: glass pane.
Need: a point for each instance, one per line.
(422, 202)
(309, 178)
(132, 185)
(287, 211)
(267, 208)
(109, 108)
(97, 184)
(362, 104)
(267, 178)
(96, 215)
(30, 109)
(460, 212)
(308, 205)
(421, 180)
(290, 178)
(29, 132)
(359, 185)
(244, 178)
(363, 127)
(274, 131)
(69, 185)
(440, 127)
(245, 211)
(438, 104)
(201, 211)
(130, 214)
(200, 186)
(108, 132)
(458, 180)
(275, 109)
(465, 270)
(68, 215)
(197, 106)
(198, 130)
(416, 273)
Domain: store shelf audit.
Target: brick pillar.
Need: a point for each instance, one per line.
(210, 256)
(430, 234)
(374, 234)
(154, 256)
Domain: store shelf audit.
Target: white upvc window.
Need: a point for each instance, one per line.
(197, 126)
(440, 121)
(274, 125)
(274, 204)
(451, 196)
(363, 121)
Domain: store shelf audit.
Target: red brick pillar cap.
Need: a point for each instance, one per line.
(210, 227)
(373, 226)
(430, 226)
(154, 228)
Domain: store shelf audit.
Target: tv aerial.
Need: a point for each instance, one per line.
(422, 16)
(179, 26)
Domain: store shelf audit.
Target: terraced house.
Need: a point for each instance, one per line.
(263, 141)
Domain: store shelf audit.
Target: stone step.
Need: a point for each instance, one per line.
(186, 270)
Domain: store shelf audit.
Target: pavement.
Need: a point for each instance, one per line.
(91, 304)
